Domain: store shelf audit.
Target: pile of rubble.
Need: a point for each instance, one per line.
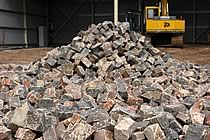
(109, 83)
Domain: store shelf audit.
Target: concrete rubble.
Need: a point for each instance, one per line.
(109, 83)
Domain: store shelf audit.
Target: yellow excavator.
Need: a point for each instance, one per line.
(159, 27)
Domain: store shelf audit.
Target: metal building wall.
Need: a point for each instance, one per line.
(12, 25)
(197, 16)
(37, 15)
(69, 17)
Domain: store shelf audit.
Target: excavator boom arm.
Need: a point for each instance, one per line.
(164, 5)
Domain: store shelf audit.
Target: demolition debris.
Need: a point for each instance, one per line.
(109, 83)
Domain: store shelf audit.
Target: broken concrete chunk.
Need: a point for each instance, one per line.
(133, 36)
(14, 101)
(76, 118)
(197, 118)
(161, 119)
(60, 129)
(203, 77)
(108, 104)
(203, 91)
(108, 34)
(135, 101)
(78, 46)
(195, 132)
(117, 44)
(80, 71)
(106, 67)
(93, 88)
(76, 56)
(46, 103)
(157, 72)
(76, 79)
(138, 136)
(175, 125)
(171, 134)
(108, 124)
(68, 69)
(149, 111)
(103, 135)
(189, 101)
(86, 62)
(154, 51)
(4, 132)
(122, 88)
(80, 131)
(207, 119)
(74, 90)
(152, 95)
(77, 38)
(50, 134)
(185, 128)
(154, 132)
(151, 60)
(40, 83)
(50, 61)
(21, 114)
(35, 121)
(85, 52)
(25, 134)
(125, 26)
(69, 54)
(124, 129)
(183, 118)
(96, 117)
(206, 105)
(174, 109)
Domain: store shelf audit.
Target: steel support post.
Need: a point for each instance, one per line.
(194, 21)
(93, 11)
(25, 24)
(115, 12)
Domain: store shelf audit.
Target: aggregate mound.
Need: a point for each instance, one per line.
(110, 83)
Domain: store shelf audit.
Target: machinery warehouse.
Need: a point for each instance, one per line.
(105, 69)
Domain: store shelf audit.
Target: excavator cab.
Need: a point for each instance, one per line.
(152, 12)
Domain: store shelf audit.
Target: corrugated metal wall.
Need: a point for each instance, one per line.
(12, 27)
(37, 13)
(82, 17)
(67, 18)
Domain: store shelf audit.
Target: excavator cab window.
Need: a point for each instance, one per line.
(151, 13)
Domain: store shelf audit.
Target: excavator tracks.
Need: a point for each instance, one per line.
(177, 41)
(166, 40)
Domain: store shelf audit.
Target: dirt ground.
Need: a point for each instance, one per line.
(199, 54)
(22, 56)
(194, 53)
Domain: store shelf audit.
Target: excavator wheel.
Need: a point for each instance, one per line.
(177, 41)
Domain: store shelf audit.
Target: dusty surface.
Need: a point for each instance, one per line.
(22, 56)
(199, 54)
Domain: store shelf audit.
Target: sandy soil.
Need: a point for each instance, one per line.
(199, 54)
